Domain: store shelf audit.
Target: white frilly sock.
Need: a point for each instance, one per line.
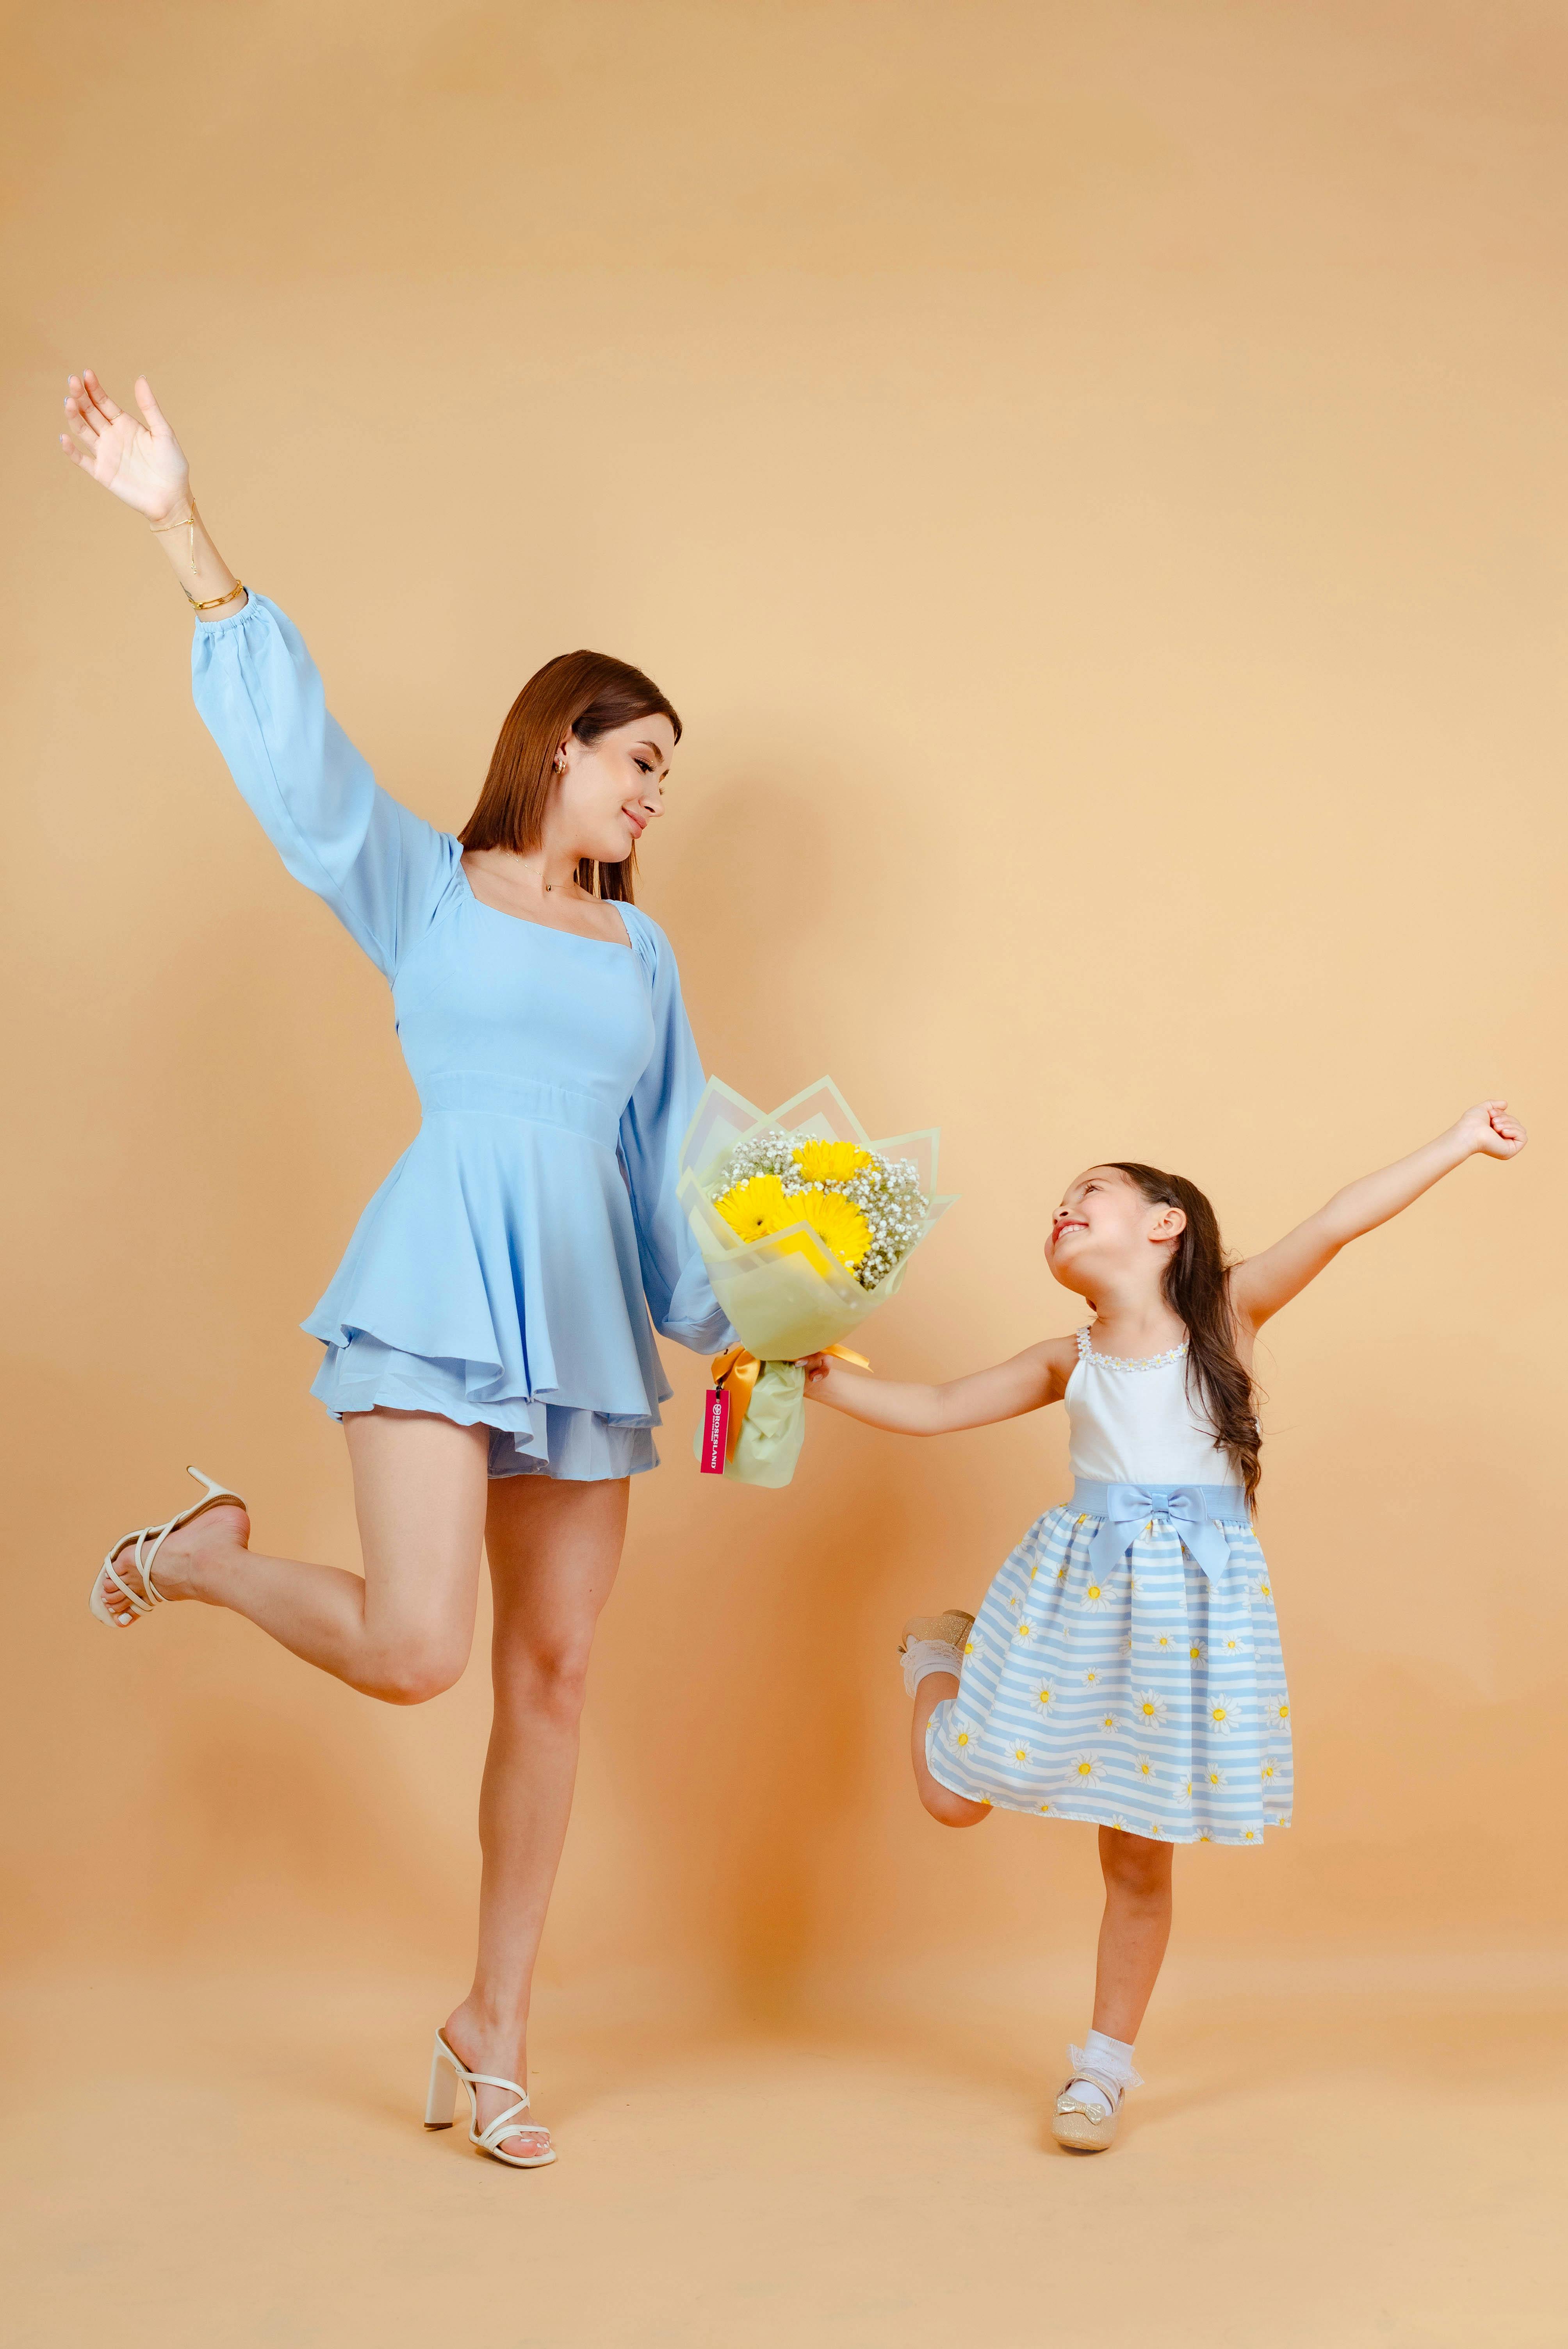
(1112, 2059)
(923, 1657)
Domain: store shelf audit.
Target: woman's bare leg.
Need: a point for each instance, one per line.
(1133, 1931)
(554, 1549)
(953, 1810)
(403, 1629)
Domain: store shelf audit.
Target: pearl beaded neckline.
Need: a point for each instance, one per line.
(1087, 1354)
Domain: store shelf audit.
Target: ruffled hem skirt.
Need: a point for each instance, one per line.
(495, 1279)
(528, 1438)
(1146, 1698)
(509, 1248)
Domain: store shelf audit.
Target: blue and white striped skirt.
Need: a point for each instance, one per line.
(1132, 1691)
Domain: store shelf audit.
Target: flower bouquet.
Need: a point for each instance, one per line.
(805, 1225)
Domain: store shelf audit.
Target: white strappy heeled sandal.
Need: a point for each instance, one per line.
(128, 1603)
(446, 2071)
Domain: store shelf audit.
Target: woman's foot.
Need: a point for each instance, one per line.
(483, 2047)
(186, 1561)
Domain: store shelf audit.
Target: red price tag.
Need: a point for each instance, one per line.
(715, 1432)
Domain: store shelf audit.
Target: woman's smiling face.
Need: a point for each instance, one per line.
(1106, 1227)
(609, 792)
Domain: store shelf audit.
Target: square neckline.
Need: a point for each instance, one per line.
(526, 922)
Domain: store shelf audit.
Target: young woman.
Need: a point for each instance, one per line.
(486, 1335)
(1125, 1666)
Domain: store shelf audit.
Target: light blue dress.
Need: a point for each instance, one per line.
(504, 1273)
(1125, 1666)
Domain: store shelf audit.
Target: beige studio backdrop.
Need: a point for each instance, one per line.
(1088, 478)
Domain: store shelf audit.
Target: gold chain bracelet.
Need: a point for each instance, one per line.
(186, 521)
(212, 602)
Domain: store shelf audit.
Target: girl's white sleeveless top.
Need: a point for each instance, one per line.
(1134, 1424)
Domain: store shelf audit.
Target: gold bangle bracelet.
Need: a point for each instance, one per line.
(212, 602)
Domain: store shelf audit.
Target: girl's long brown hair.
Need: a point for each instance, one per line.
(1197, 1291)
(585, 694)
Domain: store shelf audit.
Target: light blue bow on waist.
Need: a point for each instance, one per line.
(1132, 1509)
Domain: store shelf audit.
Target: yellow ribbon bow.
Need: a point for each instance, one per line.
(738, 1369)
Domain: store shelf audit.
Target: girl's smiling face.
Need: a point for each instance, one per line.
(1106, 1229)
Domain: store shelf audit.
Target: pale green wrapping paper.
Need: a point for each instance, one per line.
(788, 1295)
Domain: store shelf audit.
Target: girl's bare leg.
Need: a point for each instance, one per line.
(1133, 1931)
(953, 1810)
(403, 1629)
(553, 1548)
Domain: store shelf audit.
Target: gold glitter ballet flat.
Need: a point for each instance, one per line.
(951, 1629)
(1083, 2127)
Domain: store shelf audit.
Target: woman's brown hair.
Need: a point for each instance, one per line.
(585, 694)
(1198, 1290)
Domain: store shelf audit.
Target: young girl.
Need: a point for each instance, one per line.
(1125, 1665)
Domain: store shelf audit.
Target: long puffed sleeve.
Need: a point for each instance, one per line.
(379, 867)
(653, 1127)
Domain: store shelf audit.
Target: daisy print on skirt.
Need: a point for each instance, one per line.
(1145, 1697)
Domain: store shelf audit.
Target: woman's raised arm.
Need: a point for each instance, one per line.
(381, 868)
(143, 465)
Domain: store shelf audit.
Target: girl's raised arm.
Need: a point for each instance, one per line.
(1039, 1375)
(1265, 1282)
(143, 465)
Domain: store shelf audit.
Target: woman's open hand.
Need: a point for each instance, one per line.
(140, 463)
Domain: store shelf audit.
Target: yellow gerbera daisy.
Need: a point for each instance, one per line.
(837, 1222)
(754, 1208)
(831, 1161)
